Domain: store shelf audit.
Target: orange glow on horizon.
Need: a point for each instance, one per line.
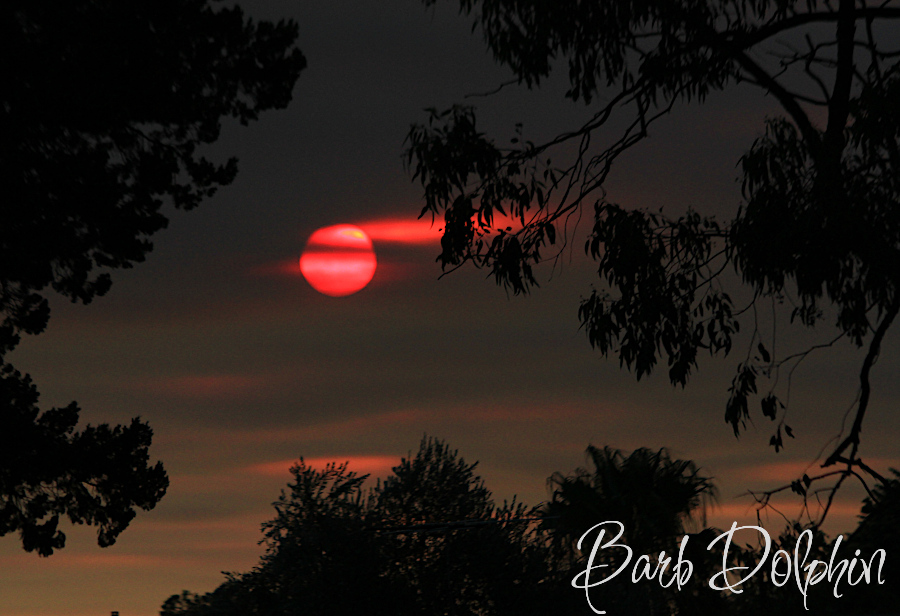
(362, 465)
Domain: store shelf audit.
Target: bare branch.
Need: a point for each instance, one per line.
(865, 386)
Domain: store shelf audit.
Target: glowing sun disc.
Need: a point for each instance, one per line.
(338, 260)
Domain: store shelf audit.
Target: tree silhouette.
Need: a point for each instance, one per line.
(657, 499)
(456, 550)
(818, 229)
(878, 529)
(427, 541)
(103, 110)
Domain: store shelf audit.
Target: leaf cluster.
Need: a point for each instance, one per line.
(49, 471)
(481, 191)
(661, 44)
(667, 298)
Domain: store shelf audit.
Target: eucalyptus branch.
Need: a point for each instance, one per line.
(852, 439)
(744, 39)
(505, 84)
(831, 496)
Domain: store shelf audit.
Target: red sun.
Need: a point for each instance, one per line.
(338, 260)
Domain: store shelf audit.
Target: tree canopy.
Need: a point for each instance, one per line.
(818, 228)
(428, 540)
(658, 500)
(104, 110)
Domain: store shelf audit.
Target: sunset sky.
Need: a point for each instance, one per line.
(241, 367)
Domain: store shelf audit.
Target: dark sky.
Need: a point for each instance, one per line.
(241, 367)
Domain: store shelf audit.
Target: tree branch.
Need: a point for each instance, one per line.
(745, 40)
(839, 107)
(865, 386)
(767, 81)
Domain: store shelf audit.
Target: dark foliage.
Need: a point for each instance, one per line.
(97, 476)
(658, 500)
(655, 497)
(819, 226)
(105, 107)
(426, 541)
(879, 528)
